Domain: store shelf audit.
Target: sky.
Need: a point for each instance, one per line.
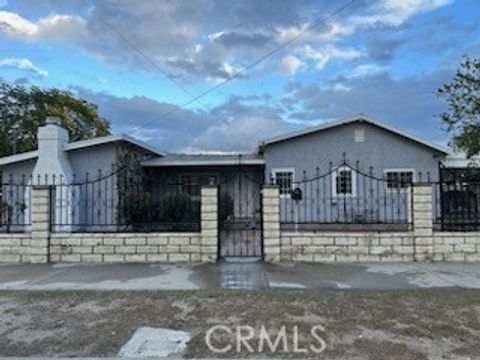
(162, 70)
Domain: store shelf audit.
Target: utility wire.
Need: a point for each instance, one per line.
(251, 65)
(168, 75)
(233, 76)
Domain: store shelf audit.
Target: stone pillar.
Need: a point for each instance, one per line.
(39, 245)
(209, 223)
(422, 221)
(271, 223)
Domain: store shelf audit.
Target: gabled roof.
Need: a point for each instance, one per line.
(204, 160)
(81, 145)
(347, 121)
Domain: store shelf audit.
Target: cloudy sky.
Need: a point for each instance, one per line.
(145, 63)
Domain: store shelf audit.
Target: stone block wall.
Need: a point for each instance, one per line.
(126, 247)
(271, 223)
(40, 245)
(456, 246)
(420, 243)
(40, 229)
(15, 248)
(209, 224)
(309, 246)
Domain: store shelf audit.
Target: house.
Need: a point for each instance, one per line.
(58, 161)
(341, 177)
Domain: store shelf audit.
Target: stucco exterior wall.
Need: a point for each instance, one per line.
(380, 150)
(17, 172)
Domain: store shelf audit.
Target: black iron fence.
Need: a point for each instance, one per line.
(15, 205)
(124, 201)
(456, 200)
(345, 197)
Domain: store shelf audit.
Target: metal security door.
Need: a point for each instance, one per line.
(240, 217)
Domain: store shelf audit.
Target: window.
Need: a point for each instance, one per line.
(398, 179)
(344, 182)
(284, 179)
(360, 135)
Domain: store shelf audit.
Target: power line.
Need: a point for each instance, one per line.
(251, 65)
(156, 66)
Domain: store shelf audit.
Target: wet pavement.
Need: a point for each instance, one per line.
(239, 275)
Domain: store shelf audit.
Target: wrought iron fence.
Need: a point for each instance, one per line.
(345, 196)
(123, 201)
(15, 205)
(456, 204)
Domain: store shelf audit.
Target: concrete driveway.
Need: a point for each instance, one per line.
(380, 276)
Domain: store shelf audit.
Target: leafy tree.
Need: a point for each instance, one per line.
(23, 110)
(463, 114)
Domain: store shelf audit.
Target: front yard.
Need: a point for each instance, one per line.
(358, 325)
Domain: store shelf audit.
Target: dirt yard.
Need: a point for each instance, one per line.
(358, 325)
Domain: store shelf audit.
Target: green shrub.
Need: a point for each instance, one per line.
(142, 212)
(138, 210)
(176, 208)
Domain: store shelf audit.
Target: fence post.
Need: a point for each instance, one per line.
(271, 223)
(422, 221)
(39, 246)
(209, 223)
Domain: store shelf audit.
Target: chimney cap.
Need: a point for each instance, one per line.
(53, 120)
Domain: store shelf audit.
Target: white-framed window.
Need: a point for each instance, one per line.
(398, 178)
(359, 134)
(344, 182)
(284, 178)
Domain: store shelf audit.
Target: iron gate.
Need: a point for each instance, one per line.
(459, 199)
(240, 217)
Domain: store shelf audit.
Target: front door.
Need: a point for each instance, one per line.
(240, 217)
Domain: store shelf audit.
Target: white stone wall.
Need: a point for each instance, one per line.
(126, 247)
(209, 224)
(41, 246)
(356, 246)
(309, 246)
(420, 243)
(15, 248)
(456, 246)
(40, 224)
(271, 223)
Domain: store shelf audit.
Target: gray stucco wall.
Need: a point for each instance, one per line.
(94, 203)
(370, 201)
(93, 159)
(380, 150)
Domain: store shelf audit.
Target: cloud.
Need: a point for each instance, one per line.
(396, 12)
(367, 70)
(200, 40)
(236, 125)
(408, 103)
(51, 28)
(23, 64)
(323, 55)
(290, 64)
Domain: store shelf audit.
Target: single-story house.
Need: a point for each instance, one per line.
(341, 177)
(348, 159)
